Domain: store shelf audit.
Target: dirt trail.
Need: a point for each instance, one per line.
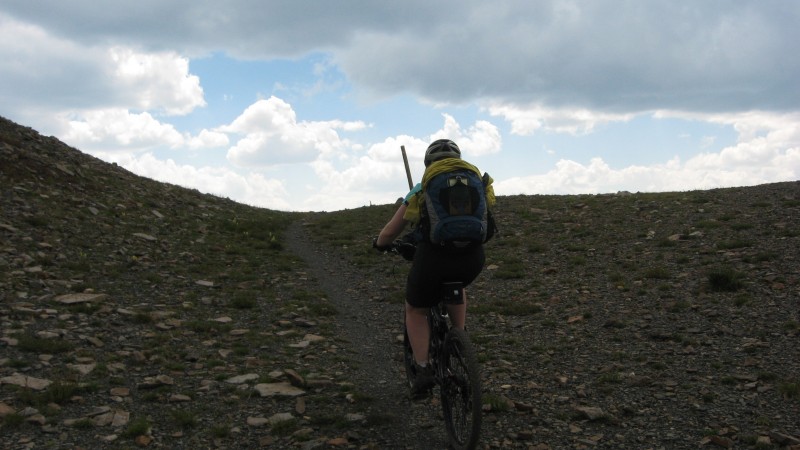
(371, 328)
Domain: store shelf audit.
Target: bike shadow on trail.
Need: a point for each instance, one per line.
(370, 330)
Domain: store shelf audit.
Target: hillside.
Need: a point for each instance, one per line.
(142, 314)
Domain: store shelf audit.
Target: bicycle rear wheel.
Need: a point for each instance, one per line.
(461, 391)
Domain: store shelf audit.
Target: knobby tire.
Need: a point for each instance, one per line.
(461, 391)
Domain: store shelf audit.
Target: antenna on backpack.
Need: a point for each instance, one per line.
(408, 169)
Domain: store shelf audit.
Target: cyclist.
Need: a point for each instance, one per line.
(432, 264)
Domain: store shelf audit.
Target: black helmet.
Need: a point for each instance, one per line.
(441, 149)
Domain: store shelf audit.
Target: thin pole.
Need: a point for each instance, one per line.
(408, 169)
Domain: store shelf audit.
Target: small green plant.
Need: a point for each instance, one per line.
(760, 257)
(615, 323)
(201, 326)
(285, 427)
(789, 389)
(243, 300)
(379, 419)
(706, 224)
(511, 307)
(791, 325)
(18, 363)
(657, 273)
(211, 363)
(137, 427)
(183, 418)
(763, 421)
(57, 393)
(496, 403)
(31, 343)
(175, 366)
(615, 277)
(83, 424)
(658, 365)
(734, 244)
(767, 376)
(742, 300)
(361, 397)
(679, 306)
(725, 280)
(37, 221)
(142, 318)
(577, 260)
(220, 430)
(666, 243)
(511, 268)
(741, 226)
(12, 420)
(609, 377)
(536, 247)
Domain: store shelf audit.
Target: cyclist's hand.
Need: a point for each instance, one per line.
(381, 248)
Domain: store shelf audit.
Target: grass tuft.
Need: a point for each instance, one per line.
(725, 280)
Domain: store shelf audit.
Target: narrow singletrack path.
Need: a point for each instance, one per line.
(371, 328)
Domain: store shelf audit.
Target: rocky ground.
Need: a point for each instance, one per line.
(140, 314)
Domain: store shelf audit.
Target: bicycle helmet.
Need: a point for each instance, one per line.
(441, 149)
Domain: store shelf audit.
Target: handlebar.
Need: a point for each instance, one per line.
(402, 247)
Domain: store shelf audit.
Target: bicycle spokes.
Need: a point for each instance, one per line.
(460, 391)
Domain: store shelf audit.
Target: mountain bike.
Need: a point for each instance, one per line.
(455, 368)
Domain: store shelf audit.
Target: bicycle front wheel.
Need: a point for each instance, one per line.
(461, 391)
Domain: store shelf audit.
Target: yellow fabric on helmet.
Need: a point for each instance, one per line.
(412, 213)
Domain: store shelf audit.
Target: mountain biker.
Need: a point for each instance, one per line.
(432, 264)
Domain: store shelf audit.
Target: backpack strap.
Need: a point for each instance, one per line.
(491, 223)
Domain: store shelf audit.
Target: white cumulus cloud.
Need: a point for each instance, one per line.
(273, 135)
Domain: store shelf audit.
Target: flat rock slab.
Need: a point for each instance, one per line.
(278, 390)
(239, 379)
(17, 379)
(70, 299)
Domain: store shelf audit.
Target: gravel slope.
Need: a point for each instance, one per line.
(137, 314)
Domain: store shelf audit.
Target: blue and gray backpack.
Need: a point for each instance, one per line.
(453, 210)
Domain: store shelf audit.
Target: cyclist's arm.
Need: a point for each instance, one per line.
(393, 228)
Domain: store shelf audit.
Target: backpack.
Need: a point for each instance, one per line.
(453, 210)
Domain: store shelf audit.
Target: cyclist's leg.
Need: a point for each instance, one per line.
(421, 291)
(418, 332)
(465, 268)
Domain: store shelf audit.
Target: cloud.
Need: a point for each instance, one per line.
(663, 54)
(250, 188)
(482, 138)
(157, 81)
(526, 120)
(378, 175)
(595, 55)
(272, 135)
(39, 65)
(118, 129)
(208, 139)
(768, 150)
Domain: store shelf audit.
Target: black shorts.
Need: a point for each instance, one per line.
(433, 265)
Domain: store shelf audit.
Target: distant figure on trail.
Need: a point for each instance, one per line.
(450, 215)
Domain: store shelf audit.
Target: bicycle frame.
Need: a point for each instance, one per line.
(439, 322)
(455, 369)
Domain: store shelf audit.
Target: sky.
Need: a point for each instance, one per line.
(304, 105)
